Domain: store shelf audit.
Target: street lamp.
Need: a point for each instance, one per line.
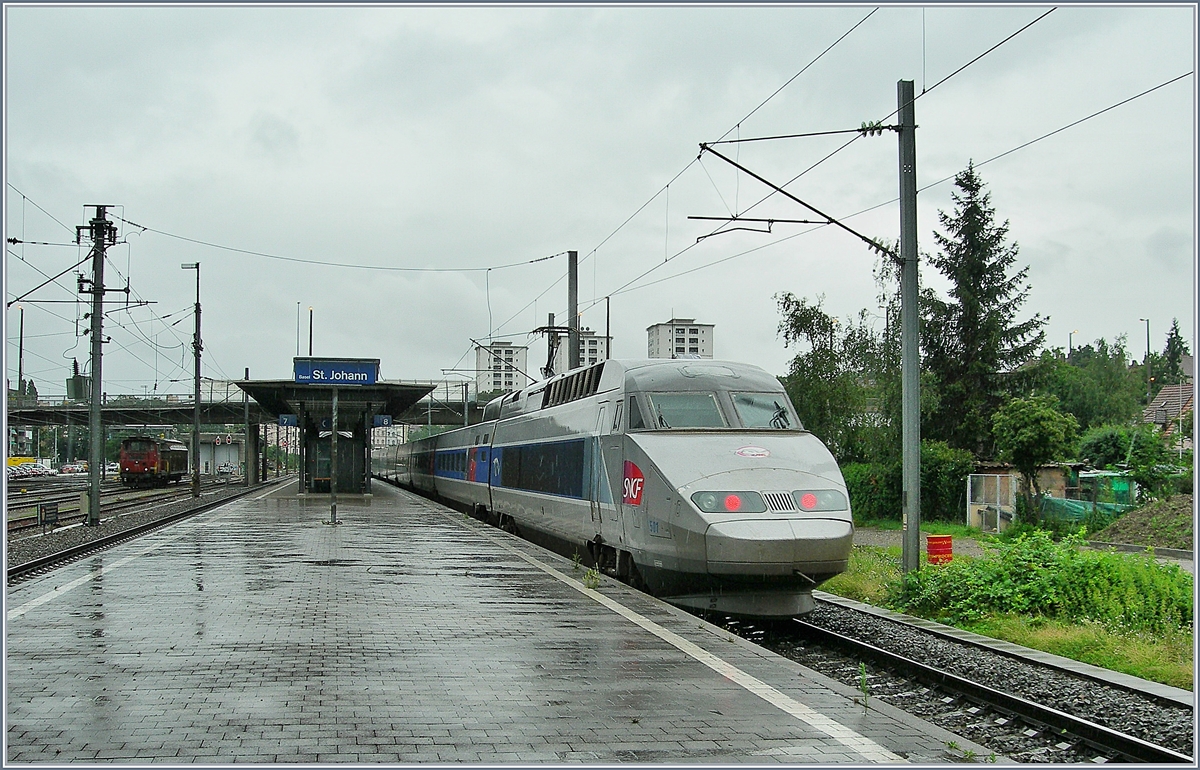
(1070, 341)
(1149, 379)
(21, 356)
(197, 346)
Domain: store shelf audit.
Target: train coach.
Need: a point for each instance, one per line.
(693, 480)
(147, 461)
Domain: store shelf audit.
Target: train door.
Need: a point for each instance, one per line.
(613, 451)
(595, 478)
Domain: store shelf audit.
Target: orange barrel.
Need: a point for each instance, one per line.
(939, 549)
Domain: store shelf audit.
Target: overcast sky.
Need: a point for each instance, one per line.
(473, 138)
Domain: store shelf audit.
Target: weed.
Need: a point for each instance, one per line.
(575, 561)
(969, 755)
(1123, 612)
(864, 686)
(952, 745)
(1033, 575)
(591, 579)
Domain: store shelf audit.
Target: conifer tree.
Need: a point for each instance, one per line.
(973, 341)
(1176, 348)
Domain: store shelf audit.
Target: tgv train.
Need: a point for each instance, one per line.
(693, 480)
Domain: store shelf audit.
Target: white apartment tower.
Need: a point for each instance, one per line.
(499, 366)
(679, 338)
(593, 348)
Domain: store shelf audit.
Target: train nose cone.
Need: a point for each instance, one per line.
(779, 546)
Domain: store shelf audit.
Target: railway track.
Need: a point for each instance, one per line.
(120, 528)
(1024, 710)
(23, 506)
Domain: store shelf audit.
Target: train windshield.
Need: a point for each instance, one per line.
(686, 410)
(765, 410)
(139, 446)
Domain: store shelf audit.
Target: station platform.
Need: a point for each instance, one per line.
(407, 633)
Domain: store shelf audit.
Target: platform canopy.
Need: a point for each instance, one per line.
(131, 411)
(277, 397)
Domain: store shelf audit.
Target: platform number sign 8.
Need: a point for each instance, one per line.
(635, 482)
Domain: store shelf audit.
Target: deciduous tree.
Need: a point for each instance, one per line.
(1031, 432)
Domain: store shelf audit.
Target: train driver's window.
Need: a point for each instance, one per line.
(686, 410)
(635, 415)
(765, 410)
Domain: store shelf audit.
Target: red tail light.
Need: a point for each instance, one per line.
(733, 503)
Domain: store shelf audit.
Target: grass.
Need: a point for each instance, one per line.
(927, 527)
(1164, 656)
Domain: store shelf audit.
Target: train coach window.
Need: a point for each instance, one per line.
(765, 410)
(686, 410)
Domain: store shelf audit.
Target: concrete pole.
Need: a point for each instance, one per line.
(552, 342)
(572, 309)
(100, 232)
(333, 466)
(302, 433)
(909, 330)
(246, 441)
(607, 329)
(1149, 379)
(197, 346)
(21, 357)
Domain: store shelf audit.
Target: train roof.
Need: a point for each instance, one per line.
(148, 437)
(633, 375)
(698, 374)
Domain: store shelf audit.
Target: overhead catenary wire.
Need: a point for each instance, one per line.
(324, 263)
(114, 324)
(627, 289)
(735, 127)
(858, 135)
(70, 230)
(48, 280)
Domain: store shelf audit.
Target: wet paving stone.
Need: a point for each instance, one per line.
(408, 633)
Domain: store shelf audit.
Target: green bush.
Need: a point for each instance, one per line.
(874, 491)
(876, 488)
(1104, 446)
(1033, 575)
(944, 474)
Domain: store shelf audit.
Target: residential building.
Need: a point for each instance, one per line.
(1169, 410)
(679, 338)
(501, 366)
(391, 435)
(593, 348)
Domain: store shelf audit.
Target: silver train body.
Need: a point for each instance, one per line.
(690, 479)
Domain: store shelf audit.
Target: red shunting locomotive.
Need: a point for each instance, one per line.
(147, 461)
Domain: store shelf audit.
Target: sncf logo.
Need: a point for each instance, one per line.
(635, 482)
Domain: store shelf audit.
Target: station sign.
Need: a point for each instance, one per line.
(289, 421)
(336, 371)
(382, 421)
